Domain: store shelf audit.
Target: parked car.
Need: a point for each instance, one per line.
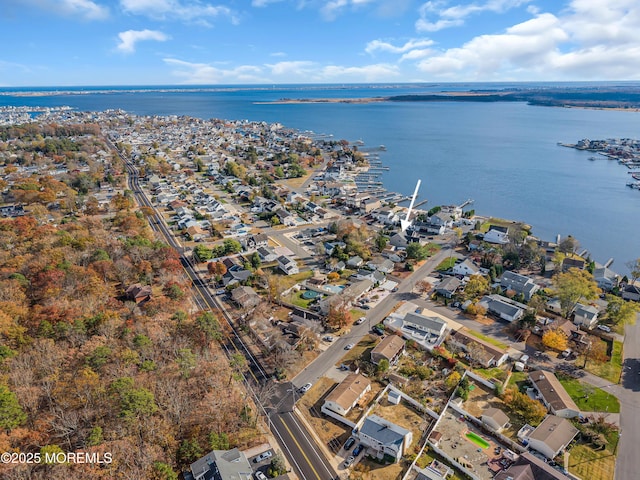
(365, 307)
(349, 443)
(394, 289)
(349, 346)
(377, 330)
(358, 449)
(263, 456)
(260, 475)
(305, 388)
(349, 461)
(566, 353)
(328, 338)
(361, 320)
(604, 328)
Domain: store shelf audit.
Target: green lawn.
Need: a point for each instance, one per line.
(517, 379)
(431, 248)
(496, 372)
(490, 340)
(297, 300)
(589, 398)
(610, 370)
(446, 264)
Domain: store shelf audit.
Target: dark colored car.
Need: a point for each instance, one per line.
(349, 443)
(377, 331)
(358, 449)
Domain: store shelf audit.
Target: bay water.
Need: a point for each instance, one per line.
(504, 156)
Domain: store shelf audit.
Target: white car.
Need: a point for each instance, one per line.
(604, 328)
(361, 320)
(349, 461)
(263, 456)
(260, 475)
(349, 346)
(305, 388)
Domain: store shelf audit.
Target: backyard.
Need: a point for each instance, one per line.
(585, 462)
(610, 370)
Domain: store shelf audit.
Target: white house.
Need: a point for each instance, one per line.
(347, 394)
(465, 268)
(585, 315)
(552, 436)
(222, 464)
(384, 438)
(605, 278)
(288, 265)
(497, 234)
(495, 419)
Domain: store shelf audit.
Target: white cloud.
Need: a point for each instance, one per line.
(176, 9)
(278, 54)
(129, 38)
(263, 3)
(388, 47)
(292, 69)
(85, 9)
(206, 74)
(334, 7)
(435, 15)
(367, 73)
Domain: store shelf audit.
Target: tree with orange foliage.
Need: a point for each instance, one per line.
(555, 339)
(216, 268)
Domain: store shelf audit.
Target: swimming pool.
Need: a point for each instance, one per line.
(477, 439)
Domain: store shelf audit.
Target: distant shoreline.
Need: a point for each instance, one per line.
(622, 99)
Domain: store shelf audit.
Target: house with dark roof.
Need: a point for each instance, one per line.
(520, 284)
(235, 274)
(503, 307)
(253, 242)
(221, 465)
(552, 436)
(288, 265)
(138, 293)
(448, 287)
(570, 262)
(384, 438)
(553, 394)
(631, 292)
(530, 467)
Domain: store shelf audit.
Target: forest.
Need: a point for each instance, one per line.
(84, 365)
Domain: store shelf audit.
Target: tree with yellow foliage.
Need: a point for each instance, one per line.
(555, 339)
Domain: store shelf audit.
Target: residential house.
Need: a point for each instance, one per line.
(221, 465)
(245, 297)
(267, 255)
(375, 276)
(384, 265)
(465, 268)
(448, 287)
(285, 217)
(416, 325)
(553, 394)
(399, 240)
(606, 279)
(384, 438)
(138, 293)
(394, 255)
(430, 228)
(631, 292)
(288, 265)
(495, 419)
(483, 352)
(348, 296)
(497, 234)
(520, 284)
(434, 471)
(253, 242)
(390, 348)
(442, 219)
(570, 262)
(196, 233)
(386, 216)
(370, 204)
(585, 315)
(530, 467)
(355, 262)
(552, 436)
(235, 274)
(347, 394)
(503, 307)
(329, 247)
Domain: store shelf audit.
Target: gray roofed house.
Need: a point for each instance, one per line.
(384, 438)
(495, 418)
(222, 465)
(503, 307)
(520, 284)
(235, 274)
(552, 436)
(605, 278)
(288, 265)
(483, 352)
(399, 240)
(448, 287)
(586, 315)
(431, 325)
(631, 292)
(245, 297)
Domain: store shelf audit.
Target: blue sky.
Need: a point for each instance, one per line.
(163, 42)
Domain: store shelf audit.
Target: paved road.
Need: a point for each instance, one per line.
(628, 461)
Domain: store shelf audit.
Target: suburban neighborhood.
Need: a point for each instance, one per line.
(462, 346)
